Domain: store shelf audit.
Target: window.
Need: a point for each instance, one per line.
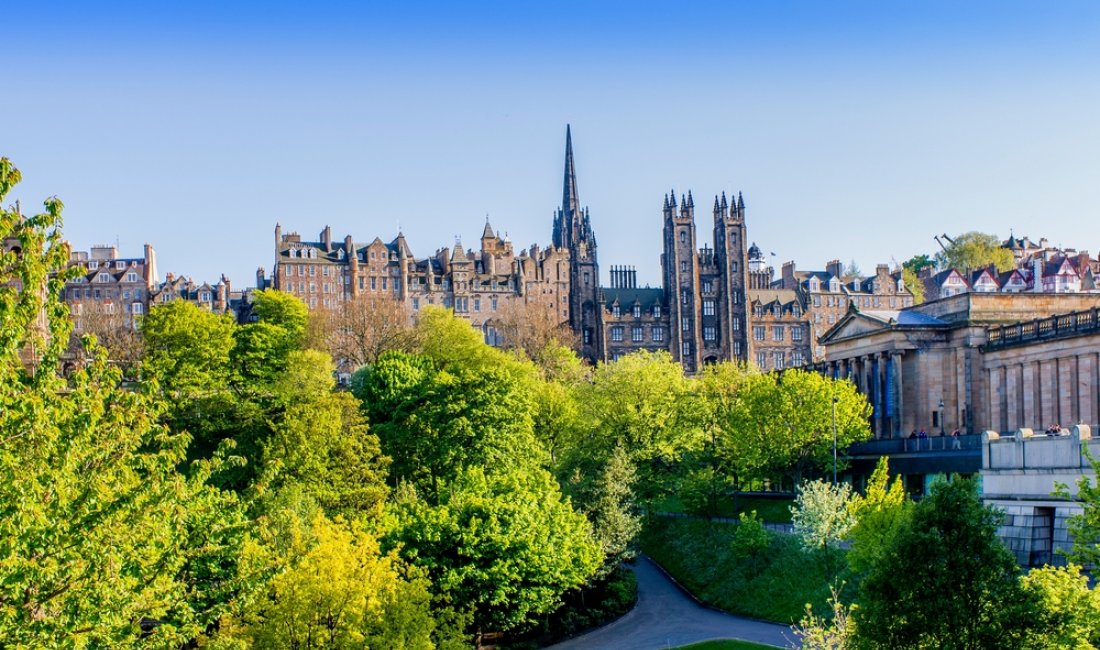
(656, 311)
(737, 348)
(684, 297)
(617, 333)
(137, 308)
(758, 332)
(289, 270)
(685, 324)
(313, 288)
(636, 334)
(777, 333)
(615, 311)
(658, 334)
(762, 360)
(384, 283)
(586, 278)
(131, 277)
(637, 311)
(683, 236)
(710, 333)
(686, 348)
(733, 266)
(708, 307)
(736, 324)
(373, 283)
(706, 286)
(324, 271)
(778, 360)
(683, 266)
(103, 277)
(797, 359)
(777, 311)
(204, 296)
(313, 271)
(477, 304)
(758, 311)
(493, 303)
(301, 270)
(587, 337)
(796, 333)
(416, 303)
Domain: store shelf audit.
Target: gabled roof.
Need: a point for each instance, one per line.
(646, 297)
(857, 323)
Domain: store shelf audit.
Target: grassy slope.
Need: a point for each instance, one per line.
(775, 585)
(725, 644)
(770, 509)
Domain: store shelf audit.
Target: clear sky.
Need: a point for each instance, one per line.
(856, 130)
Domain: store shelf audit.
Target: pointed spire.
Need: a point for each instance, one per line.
(666, 201)
(724, 204)
(690, 201)
(716, 206)
(570, 204)
(672, 199)
(740, 201)
(488, 232)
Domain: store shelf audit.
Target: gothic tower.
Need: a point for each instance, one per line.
(573, 232)
(729, 245)
(681, 280)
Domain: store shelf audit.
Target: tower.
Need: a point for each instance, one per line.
(573, 232)
(729, 249)
(681, 281)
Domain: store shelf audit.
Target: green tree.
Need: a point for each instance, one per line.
(823, 514)
(334, 589)
(945, 581)
(612, 512)
(320, 441)
(878, 517)
(1068, 610)
(914, 284)
(638, 402)
(973, 250)
(1084, 528)
(785, 423)
(504, 544)
(99, 531)
(187, 349)
(435, 421)
(284, 310)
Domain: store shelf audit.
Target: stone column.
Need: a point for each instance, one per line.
(899, 391)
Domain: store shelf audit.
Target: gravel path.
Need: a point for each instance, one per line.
(666, 617)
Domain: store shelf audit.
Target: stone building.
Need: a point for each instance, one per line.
(974, 362)
(218, 298)
(111, 284)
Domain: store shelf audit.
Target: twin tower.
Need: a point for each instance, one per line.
(700, 314)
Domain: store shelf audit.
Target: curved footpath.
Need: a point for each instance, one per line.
(666, 617)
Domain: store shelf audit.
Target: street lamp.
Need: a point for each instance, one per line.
(835, 400)
(941, 417)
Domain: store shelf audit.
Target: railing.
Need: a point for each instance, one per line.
(1062, 325)
(966, 443)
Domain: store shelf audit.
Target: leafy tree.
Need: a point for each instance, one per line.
(638, 402)
(611, 510)
(435, 421)
(945, 581)
(321, 443)
(750, 538)
(878, 517)
(784, 423)
(914, 284)
(99, 532)
(113, 328)
(335, 589)
(822, 514)
(284, 310)
(831, 632)
(533, 328)
(918, 263)
(1084, 528)
(505, 544)
(1068, 610)
(975, 250)
(187, 349)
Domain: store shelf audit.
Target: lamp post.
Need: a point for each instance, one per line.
(834, 401)
(941, 417)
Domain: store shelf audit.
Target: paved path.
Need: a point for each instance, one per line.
(666, 617)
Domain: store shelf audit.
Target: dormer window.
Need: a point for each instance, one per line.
(131, 277)
(93, 265)
(777, 311)
(637, 311)
(815, 286)
(120, 265)
(103, 277)
(615, 311)
(656, 311)
(834, 285)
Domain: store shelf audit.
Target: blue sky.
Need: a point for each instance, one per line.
(856, 130)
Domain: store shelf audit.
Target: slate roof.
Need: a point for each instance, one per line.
(646, 297)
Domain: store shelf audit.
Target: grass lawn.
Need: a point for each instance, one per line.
(775, 510)
(773, 584)
(725, 644)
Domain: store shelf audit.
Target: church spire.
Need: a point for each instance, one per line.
(570, 204)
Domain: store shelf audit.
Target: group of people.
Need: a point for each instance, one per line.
(923, 435)
(1056, 430)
